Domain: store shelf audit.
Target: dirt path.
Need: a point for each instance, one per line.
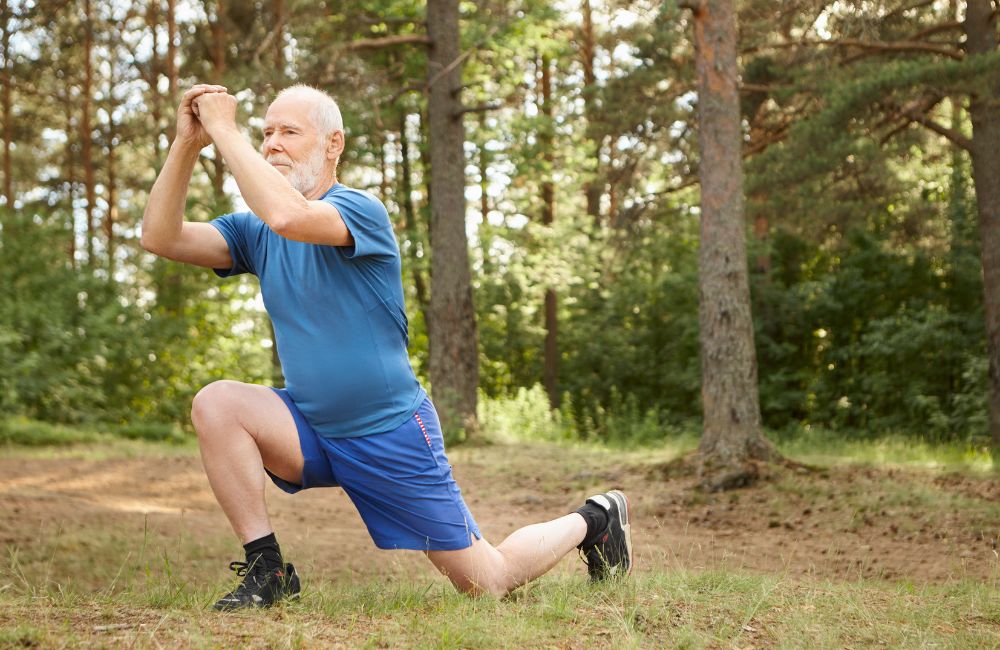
(846, 523)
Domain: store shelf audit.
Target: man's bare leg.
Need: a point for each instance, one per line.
(241, 429)
(526, 554)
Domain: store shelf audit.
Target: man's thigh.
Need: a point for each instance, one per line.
(262, 414)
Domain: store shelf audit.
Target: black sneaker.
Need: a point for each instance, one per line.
(611, 555)
(260, 587)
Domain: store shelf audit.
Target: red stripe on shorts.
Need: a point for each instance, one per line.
(423, 428)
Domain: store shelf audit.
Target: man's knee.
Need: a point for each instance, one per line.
(482, 587)
(214, 400)
(474, 572)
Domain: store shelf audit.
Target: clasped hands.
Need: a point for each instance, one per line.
(206, 110)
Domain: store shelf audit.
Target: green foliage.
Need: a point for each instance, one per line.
(79, 347)
(58, 326)
(32, 433)
(526, 415)
(866, 284)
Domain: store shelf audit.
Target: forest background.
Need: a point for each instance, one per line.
(581, 208)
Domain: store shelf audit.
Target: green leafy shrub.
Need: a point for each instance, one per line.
(32, 433)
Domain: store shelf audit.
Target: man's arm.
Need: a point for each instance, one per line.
(266, 191)
(164, 230)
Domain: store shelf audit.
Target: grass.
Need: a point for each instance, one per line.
(655, 610)
(25, 432)
(824, 447)
(83, 583)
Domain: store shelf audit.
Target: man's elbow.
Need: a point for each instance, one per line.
(150, 244)
(282, 226)
(147, 243)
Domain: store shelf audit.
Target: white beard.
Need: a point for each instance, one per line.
(304, 176)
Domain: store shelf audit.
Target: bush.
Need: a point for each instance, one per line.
(32, 433)
(151, 431)
(525, 416)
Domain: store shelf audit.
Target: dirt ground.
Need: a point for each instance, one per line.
(841, 523)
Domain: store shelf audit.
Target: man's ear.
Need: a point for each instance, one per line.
(336, 145)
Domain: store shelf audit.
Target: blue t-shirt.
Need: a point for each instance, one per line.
(338, 315)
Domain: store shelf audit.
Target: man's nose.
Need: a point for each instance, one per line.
(272, 145)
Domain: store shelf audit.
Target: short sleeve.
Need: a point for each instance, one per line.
(236, 228)
(368, 221)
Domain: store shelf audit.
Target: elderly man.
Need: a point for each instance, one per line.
(353, 414)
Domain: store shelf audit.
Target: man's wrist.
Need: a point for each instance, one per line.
(185, 147)
(222, 130)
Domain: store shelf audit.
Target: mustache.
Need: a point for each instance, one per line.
(279, 160)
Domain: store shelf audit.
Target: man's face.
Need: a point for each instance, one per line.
(292, 145)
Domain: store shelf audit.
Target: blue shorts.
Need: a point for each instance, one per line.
(399, 481)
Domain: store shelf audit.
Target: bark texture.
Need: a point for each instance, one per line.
(410, 214)
(217, 51)
(112, 215)
(171, 64)
(86, 135)
(594, 187)
(732, 435)
(8, 174)
(550, 368)
(984, 109)
(454, 363)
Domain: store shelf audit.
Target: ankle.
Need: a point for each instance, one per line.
(597, 522)
(264, 550)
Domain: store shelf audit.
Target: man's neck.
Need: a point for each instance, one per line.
(322, 188)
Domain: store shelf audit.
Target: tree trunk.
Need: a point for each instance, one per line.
(593, 187)
(277, 373)
(454, 363)
(89, 180)
(484, 164)
(155, 100)
(8, 130)
(218, 54)
(278, 16)
(732, 433)
(984, 110)
(112, 216)
(70, 176)
(550, 365)
(410, 214)
(171, 67)
(383, 183)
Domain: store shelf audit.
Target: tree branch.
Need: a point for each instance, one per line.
(905, 8)
(461, 57)
(936, 29)
(378, 20)
(481, 108)
(878, 46)
(414, 87)
(954, 136)
(387, 41)
(269, 39)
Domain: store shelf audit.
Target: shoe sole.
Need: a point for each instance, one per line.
(623, 520)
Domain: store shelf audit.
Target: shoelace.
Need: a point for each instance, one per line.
(243, 568)
(240, 568)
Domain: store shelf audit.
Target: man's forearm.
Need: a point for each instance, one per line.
(164, 215)
(266, 191)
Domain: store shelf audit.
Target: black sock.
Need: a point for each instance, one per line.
(265, 550)
(597, 522)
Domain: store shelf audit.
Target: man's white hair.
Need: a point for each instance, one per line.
(325, 113)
